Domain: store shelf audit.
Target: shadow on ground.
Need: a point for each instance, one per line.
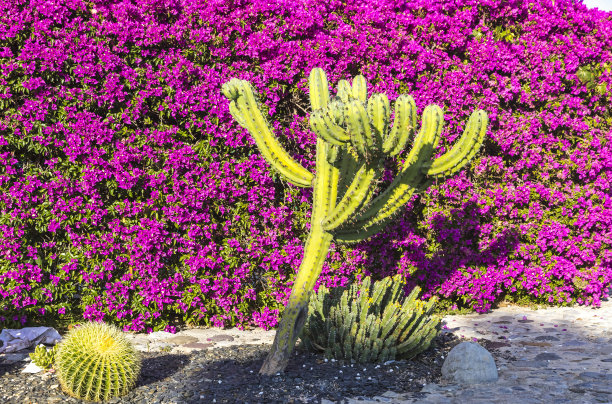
(230, 375)
(156, 368)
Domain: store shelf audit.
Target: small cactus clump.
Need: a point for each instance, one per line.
(371, 322)
(43, 358)
(96, 362)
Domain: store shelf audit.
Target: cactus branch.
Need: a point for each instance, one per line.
(244, 108)
(403, 126)
(360, 190)
(463, 151)
(360, 89)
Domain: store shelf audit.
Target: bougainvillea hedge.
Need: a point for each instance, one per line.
(128, 194)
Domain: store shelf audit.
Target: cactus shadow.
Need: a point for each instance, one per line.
(157, 368)
(459, 244)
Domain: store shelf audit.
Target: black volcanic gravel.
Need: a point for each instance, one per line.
(230, 375)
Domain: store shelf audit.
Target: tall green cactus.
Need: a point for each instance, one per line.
(353, 139)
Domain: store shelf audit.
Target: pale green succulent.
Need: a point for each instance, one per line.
(371, 322)
(43, 358)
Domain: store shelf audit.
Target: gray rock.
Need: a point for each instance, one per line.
(546, 338)
(469, 363)
(220, 337)
(10, 358)
(547, 356)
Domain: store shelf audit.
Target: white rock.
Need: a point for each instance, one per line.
(31, 368)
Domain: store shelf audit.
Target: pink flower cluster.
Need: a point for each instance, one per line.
(127, 192)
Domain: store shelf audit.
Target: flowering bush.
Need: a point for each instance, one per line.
(127, 193)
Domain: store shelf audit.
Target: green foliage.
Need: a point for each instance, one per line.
(96, 362)
(371, 322)
(590, 76)
(44, 358)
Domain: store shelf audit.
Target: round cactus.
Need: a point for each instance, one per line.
(96, 362)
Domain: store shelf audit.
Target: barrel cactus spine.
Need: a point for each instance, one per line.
(353, 140)
(96, 362)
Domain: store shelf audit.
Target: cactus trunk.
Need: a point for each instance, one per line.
(296, 311)
(315, 252)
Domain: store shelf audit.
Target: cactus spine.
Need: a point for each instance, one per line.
(384, 324)
(353, 139)
(96, 362)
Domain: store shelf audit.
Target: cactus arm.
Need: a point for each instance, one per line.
(247, 113)
(379, 110)
(360, 88)
(403, 125)
(323, 125)
(237, 115)
(336, 112)
(366, 141)
(407, 182)
(328, 191)
(333, 153)
(428, 137)
(463, 151)
(345, 92)
(360, 191)
(348, 169)
(319, 89)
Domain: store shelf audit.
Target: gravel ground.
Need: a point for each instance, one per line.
(229, 375)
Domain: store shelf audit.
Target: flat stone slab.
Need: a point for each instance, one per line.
(198, 345)
(181, 340)
(219, 338)
(201, 338)
(547, 356)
